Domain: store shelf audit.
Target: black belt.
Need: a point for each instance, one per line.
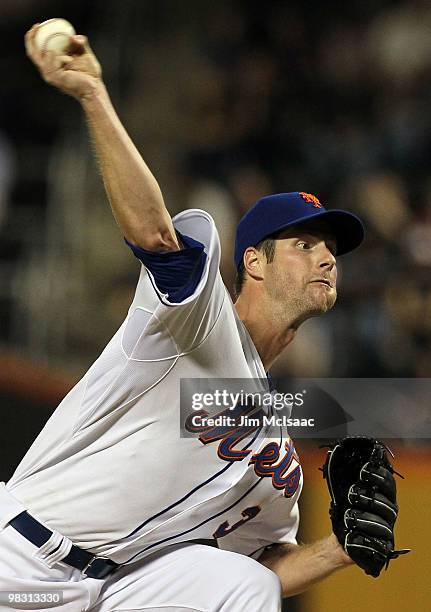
(38, 534)
(93, 567)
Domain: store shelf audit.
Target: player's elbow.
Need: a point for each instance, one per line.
(156, 241)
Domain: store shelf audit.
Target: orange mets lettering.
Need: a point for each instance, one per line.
(284, 471)
(309, 197)
(267, 463)
(229, 436)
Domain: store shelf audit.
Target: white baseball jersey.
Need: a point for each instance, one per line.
(109, 469)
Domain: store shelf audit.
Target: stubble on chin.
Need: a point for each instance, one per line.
(290, 303)
(322, 303)
(331, 298)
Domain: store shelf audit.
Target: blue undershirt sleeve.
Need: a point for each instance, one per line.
(176, 273)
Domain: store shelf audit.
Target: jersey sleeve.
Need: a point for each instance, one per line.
(176, 274)
(174, 317)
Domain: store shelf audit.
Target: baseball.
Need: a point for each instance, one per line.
(54, 35)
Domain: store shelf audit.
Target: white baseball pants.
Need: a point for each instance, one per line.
(182, 578)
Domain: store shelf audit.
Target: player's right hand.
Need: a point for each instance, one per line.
(76, 73)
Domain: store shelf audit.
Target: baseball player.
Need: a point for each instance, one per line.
(110, 509)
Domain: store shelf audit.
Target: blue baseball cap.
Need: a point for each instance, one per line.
(276, 212)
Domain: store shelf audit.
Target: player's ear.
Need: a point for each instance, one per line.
(254, 263)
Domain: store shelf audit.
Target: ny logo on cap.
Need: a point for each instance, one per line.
(309, 197)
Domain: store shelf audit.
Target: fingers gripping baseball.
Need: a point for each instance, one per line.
(75, 73)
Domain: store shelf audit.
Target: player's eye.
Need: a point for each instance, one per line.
(303, 245)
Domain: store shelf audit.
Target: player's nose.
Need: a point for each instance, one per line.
(326, 257)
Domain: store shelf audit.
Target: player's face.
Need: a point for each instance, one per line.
(303, 274)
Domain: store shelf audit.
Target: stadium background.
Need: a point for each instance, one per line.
(227, 101)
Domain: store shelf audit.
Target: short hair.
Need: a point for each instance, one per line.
(265, 246)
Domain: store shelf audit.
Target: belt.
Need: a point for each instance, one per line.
(92, 566)
(38, 534)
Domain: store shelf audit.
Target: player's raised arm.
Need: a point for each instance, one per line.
(133, 192)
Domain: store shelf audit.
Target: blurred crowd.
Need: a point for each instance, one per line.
(227, 101)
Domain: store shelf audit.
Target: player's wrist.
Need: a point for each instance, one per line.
(337, 552)
(94, 96)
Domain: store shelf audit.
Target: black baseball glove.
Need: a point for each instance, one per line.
(363, 506)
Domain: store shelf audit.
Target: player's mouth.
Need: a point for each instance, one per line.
(323, 281)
